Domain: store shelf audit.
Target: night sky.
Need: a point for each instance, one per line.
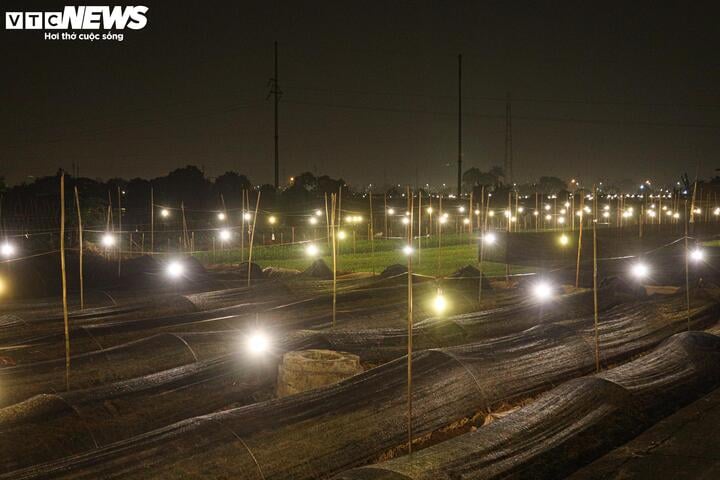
(600, 90)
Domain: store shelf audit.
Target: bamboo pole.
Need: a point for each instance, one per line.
(386, 214)
(120, 232)
(687, 269)
(579, 249)
(410, 327)
(64, 281)
(595, 282)
(252, 236)
(152, 221)
(327, 221)
(372, 236)
(334, 256)
(80, 250)
(242, 225)
(419, 225)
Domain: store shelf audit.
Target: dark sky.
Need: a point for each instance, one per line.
(600, 89)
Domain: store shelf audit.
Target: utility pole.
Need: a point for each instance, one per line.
(508, 142)
(275, 92)
(460, 155)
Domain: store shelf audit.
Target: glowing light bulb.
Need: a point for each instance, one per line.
(439, 303)
(489, 238)
(313, 220)
(224, 235)
(257, 343)
(542, 291)
(564, 240)
(406, 221)
(175, 269)
(606, 214)
(391, 211)
(461, 209)
(561, 220)
(407, 250)
(548, 217)
(639, 270)
(318, 213)
(221, 216)
(272, 220)
(491, 213)
(7, 250)
(108, 240)
(247, 215)
(312, 250)
(164, 213)
(697, 255)
(466, 221)
(342, 235)
(429, 210)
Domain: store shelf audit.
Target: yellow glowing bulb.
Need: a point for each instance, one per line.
(564, 240)
(272, 220)
(342, 235)
(439, 303)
